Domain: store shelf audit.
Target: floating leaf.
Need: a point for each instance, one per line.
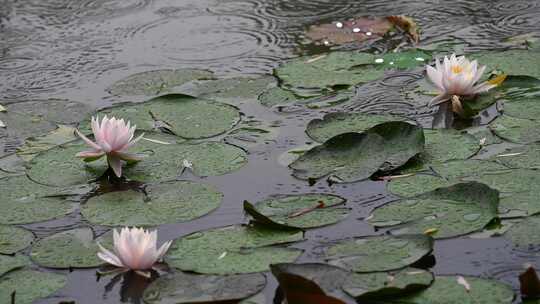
(277, 96)
(383, 285)
(156, 82)
(351, 31)
(309, 76)
(74, 248)
(18, 127)
(524, 108)
(511, 62)
(525, 234)
(452, 211)
(160, 162)
(29, 285)
(171, 202)
(13, 239)
(352, 157)
(9, 263)
(182, 115)
(59, 111)
(446, 289)
(516, 130)
(444, 145)
(380, 253)
(520, 157)
(232, 249)
(179, 287)
(233, 90)
(337, 123)
(300, 211)
(34, 145)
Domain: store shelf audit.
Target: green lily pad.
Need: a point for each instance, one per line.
(517, 130)
(277, 96)
(383, 285)
(380, 253)
(525, 108)
(156, 82)
(443, 145)
(445, 174)
(182, 115)
(325, 72)
(353, 157)
(29, 285)
(446, 289)
(18, 127)
(9, 263)
(232, 90)
(333, 124)
(35, 145)
(300, 211)
(74, 248)
(522, 157)
(58, 111)
(171, 202)
(160, 162)
(232, 249)
(526, 233)
(13, 239)
(180, 287)
(511, 62)
(456, 210)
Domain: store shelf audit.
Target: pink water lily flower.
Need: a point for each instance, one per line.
(134, 249)
(112, 138)
(456, 76)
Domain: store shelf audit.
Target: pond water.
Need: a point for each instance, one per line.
(75, 50)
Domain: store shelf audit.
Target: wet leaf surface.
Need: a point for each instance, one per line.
(517, 130)
(299, 211)
(171, 202)
(232, 249)
(29, 285)
(179, 287)
(232, 90)
(351, 157)
(379, 253)
(452, 211)
(13, 239)
(153, 83)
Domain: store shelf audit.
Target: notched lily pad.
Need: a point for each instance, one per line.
(74, 248)
(298, 211)
(13, 239)
(353, 157)
(156, 82)
(179, 287)
(456, 210)
(232, 249)
(380, 253)
(29, 285)
(171, 202)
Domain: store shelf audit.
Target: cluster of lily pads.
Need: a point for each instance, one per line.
(447, 182)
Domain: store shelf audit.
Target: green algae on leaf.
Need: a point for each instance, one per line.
(351, 157)
(384, 285)
(456, 210)
(13, 239)
(29, 285)
(179, 287)
(156, 82)
(302, 211)
(379, 253)
(74, 248)
(232, 249)
(171, 202)
(9, 263)
(160, 162)
(446, 289)
(337, 123)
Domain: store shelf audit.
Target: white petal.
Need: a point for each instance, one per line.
(109, 257)
(435, 76)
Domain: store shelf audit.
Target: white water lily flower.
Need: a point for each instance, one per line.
(456, 76)
(134, 249)
(112, 138)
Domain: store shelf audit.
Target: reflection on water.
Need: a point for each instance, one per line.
(75, 49)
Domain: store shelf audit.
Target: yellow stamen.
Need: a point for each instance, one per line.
(456, 69)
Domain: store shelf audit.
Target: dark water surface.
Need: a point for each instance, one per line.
(75, 49)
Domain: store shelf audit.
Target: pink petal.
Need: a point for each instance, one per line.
(87, 140)
(115, 163)
(131, 143)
